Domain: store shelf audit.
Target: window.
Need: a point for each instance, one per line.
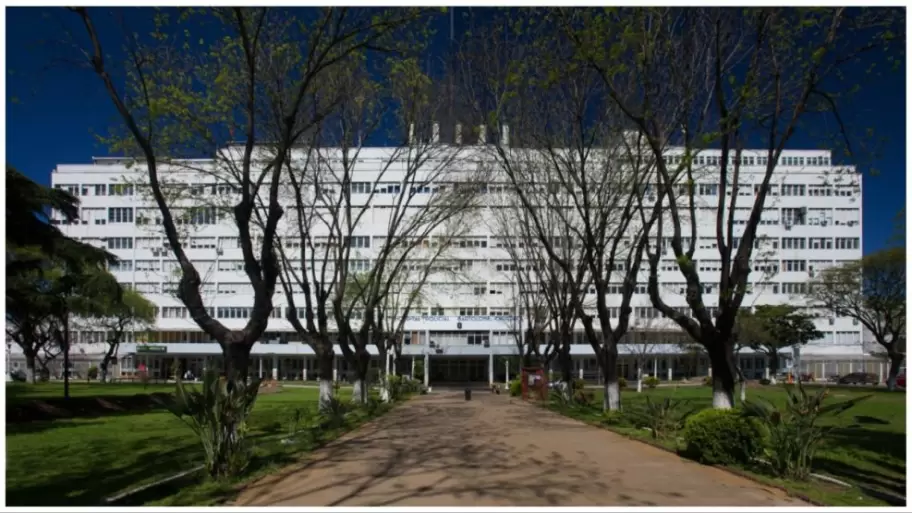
(101, 189)
(794, 265)
(231, 265)
(359, 241)
(360, 187)
(232, 312)
(202, 242)
(793, 190)
(794, 243)
(122, 265)
(120, 189)
(120, 215)
(847, 243)
(479, 291)
(174, 312)
(821, 243)
(471, 311)
(120, 243)
(148, 265)
(437, 311)
(794, 288)
(794, 216)
(477, 339)
(359, 265)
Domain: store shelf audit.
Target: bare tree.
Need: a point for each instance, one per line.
(642, 341)
(564, 137)
(696, 78)
(262, 82)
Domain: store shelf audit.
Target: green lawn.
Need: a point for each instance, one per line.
(80, 462)
(867, 448)
(22, 391)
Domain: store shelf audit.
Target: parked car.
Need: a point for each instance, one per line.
(900, 380)
(859, 378)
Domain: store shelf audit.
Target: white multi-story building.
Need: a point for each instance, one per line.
(813, 220)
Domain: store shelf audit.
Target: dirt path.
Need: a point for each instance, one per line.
(439, 450)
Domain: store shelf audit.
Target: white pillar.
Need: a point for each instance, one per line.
(670, 376)
(710, 371)
(655, 367)
(260, 360)
(851, 364)
(275, 367)
(491, 369)
(880, 374)
(670, 363)
(766, 373)
(580, 362)
(507, 369)
(823, 373)
(427, 369)
(335, 369)
(304, 372)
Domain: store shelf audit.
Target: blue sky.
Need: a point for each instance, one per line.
(59, 106)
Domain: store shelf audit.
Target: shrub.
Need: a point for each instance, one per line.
(722, 437)
(583, 398)
(651, 381)
(92, 373)
(217, 412)
(793, 436)
(516, 388)
(622, 383)
(662, 417)
(578, 384)
(765, 381)
(708, 381)
(616, 418)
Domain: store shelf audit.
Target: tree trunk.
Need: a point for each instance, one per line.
(612, 399)
(325, 364)
(774, 366)
(721, 357)
(896, 360)
(566, 366)
(639, 378)
(361, 386)
(236, 361)
(30, 368)
(384, 373)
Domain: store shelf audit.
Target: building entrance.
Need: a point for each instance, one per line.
(459, 370)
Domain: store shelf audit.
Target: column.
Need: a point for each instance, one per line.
(880, 374)
(275, 367)
(851, 364)
(304, 370)
(670, 362)
(710, 371)
(766, 373)
(507, 370)
(260, 360)
(335, 369)
(427, 369)
(580, 364)
(655, 368)
(491, 369)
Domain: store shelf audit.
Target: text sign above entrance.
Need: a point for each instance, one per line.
(151, 349)
(461, 318)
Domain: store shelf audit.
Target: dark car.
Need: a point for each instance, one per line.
(859, 378)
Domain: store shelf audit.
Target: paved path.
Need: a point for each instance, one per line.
(439, 450)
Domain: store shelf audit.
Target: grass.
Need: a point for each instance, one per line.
(80, 462)
(867, 448)
(24, 392)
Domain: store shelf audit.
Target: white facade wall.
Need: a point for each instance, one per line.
(804, 180)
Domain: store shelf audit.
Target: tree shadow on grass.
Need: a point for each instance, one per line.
(92, 485)
(873, 484)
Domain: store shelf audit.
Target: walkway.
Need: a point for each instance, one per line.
(439, 450)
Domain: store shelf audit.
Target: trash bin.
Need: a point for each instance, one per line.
(468, 394)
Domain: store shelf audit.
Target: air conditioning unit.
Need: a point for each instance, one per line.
(439, 350)
(219, 252)
(487, 344)
(823, 223)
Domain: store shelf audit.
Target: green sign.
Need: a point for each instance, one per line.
(151, 349)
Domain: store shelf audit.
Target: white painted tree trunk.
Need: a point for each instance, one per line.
(384, 393)
(612, 399)
(722, 400)
(326, 393)
(357, 391)
(30, 375)
(743, 391)
(639, 381)
(566, 391)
